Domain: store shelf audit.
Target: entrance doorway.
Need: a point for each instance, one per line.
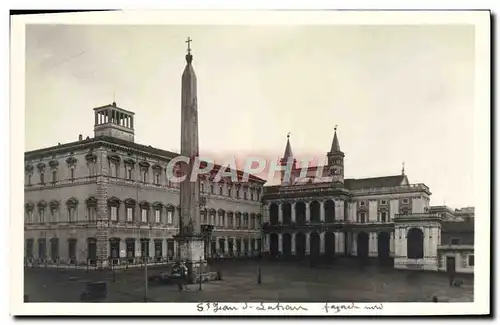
(450, 264)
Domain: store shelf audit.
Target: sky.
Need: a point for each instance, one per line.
(397, 93)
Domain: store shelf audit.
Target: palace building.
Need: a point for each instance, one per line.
(68, 185)
(382, 217)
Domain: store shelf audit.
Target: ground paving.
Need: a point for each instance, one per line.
(281, 281)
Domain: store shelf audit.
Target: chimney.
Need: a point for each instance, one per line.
(80, 137)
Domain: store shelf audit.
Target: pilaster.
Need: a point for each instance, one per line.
(322, 211)
(293, 213)
(293, 243)
(280, 212)
(308, 243)
(322, 243)
(280, 243)
(308, 212)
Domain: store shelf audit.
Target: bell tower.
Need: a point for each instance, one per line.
(336, 160)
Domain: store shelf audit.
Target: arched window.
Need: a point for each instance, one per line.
(415, 243)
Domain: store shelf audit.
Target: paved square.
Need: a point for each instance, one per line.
(345, 281)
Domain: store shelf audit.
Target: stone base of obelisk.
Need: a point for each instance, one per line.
(191, 249)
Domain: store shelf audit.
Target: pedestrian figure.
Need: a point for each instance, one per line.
(434, 299)
(452, 277)
(184, 276)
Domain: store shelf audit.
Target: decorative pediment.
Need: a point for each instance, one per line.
(72, 202)
(40, 167)
(203, 212)
(114, 201)
(170, 207)
(144, 204)
(212, 211)
(91, 157)
(245, 214)
(238, 214)
(221, 212)
(28, 168)
(29, 206)
(71, 161)
(252, 215)
(230, 213)
(91, 201)
(54, 204)
(130, 202)
(157, 167)
(129, 162)
(42, 204)
(144, 164)
(53, 163)
(157, 205)
(114, 158)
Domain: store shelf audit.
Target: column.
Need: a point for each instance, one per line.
(280, 243)
(322, 211)
(341, 242)
(308, 243)
(280, 213)
(217, 245)
(308, 213)
(293, 212)
(391, 244)
(293, 243)
(373, 244)
(96, 118)
(322, 243)
(426, 242)
(341, 210)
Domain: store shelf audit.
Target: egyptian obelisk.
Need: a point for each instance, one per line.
(190, 240)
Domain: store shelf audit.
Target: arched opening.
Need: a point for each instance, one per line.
(273, 245)
(273, 214)
(330, 245)
(314, 243)
(300, 213)
(329, 207)
(300, 245)
(384, 245)
(287, 245)
(362, 244)
(415, 243)
(314, 207)
(287, 213)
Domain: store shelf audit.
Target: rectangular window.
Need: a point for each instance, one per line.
(471, 260)
(91, 212)
(251, 195)
(113, 169)
(212, 191)
(54, 176)
(220, 190)
(29, 179)
(144, 215)
(157, 216)
(237, 194)
(157, 178)
(41, 212)
(230, 222)
(42, 178)
(383, 216)
(170, 217)
(244, 195)
(144, 176)
(130, 215)
(114, 213)
(30, 216)
(129, 174)
(455, 241)
(229, 192)
(71, 214)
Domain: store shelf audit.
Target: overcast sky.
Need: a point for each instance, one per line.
(397, 93)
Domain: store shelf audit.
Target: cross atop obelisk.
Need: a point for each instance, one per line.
(189, 56)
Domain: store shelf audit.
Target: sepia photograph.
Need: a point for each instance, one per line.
(250, 163)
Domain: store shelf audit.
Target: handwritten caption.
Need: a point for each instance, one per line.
(327, 308)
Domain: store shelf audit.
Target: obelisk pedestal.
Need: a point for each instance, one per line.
(191, 252)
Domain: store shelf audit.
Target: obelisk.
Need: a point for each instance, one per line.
(190, 240)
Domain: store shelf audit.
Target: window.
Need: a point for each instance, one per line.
(258, 196)
(245, 195)
(383, 216)
(471, 260)
(383, 202)
(252, 222)
(30, 216)
(129, 174)
(170, 217)
(405, 201)
(53, 212)
(144, 176)
(362, 203)
(144, 215)
(157, 178)
(455, 241)
(54, 176)
(71, 214)
(230, 221)
(41, 214)
(91, 212)
(130, 214)
(238, 222)
(29, 179)
(113, 169)
(229, 192)
(114, 214)
(220, 190)
(221, 220)
(42, 178)
(72, 175)
(362, 217)
(212, 191)
(251, 195)
(237, 194)
(157, 215)
(202, 187)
